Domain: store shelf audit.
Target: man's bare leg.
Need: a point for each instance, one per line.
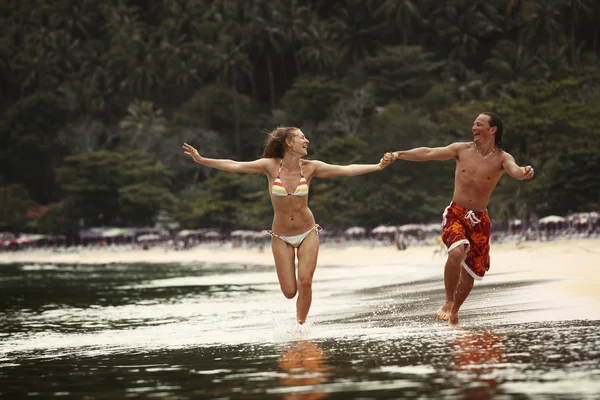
(451, 277)
(465, 284)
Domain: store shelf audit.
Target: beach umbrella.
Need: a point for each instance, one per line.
(28, 239)
(24, 239)
(7, 235)
(117, 232)
(91, 233)
(242, 233)
(551, 219)
(433, 227)
(584, 218)
(355, 230)
(380, 229)
(411, 227)
(148, 237)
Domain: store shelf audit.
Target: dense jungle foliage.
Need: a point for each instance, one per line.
(98, 96)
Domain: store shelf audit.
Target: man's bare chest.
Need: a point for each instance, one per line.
(479, 172)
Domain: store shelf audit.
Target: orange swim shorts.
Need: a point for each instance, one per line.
(471, 228)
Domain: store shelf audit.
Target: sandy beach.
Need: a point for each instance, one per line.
(575, 262)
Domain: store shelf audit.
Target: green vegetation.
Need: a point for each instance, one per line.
(98, 96)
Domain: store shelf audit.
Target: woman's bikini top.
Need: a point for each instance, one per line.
(278, 190)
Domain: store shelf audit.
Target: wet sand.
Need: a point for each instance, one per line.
(574, 264)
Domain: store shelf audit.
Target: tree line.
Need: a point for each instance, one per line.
(97, 98)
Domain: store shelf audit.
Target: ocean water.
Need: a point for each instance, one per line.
(197, 330)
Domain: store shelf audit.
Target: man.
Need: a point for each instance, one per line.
(466, 224)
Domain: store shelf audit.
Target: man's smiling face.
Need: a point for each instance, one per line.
(481, 128)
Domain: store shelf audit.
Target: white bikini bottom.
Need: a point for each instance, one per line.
(297, 240)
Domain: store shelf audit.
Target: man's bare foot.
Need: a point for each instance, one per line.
(453, 321)
(444, 311)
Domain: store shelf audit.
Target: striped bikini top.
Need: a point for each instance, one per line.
(278, 190)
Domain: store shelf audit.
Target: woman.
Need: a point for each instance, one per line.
(294, 231)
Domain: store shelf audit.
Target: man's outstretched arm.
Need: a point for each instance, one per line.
(514, 170)
(428, 153)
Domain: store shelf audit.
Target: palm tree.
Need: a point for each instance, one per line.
(134, 57)
(183, 64)
(575, 12)
(75, 16)
(542, 27)
(594, 28)
(294, 19)
(184, 18)
(143, 125)
(266, 33)
(8, 52)
(232, 64)
(37, 64)
(318, 49)
(511, 61)
(460, 27)
(357, 32)
(401, 13)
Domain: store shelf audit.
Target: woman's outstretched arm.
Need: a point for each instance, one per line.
(324, 170)
(246, 167)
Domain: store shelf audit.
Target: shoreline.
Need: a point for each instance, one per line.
(571, 264)
(511, 254)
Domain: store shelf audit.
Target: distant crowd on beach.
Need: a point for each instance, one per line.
(573, 226)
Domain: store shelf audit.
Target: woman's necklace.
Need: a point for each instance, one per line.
(487, 155)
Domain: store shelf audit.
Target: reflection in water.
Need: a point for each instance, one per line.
(478, 355)
(304, 363)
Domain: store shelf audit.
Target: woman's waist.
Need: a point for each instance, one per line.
(290, 224)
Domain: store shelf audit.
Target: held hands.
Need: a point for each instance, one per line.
(386, 160)
(528, 172)
(192, 152)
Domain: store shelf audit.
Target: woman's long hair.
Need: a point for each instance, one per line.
(275, 144)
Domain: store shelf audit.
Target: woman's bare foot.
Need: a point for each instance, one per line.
(444, 311)
(453, 321)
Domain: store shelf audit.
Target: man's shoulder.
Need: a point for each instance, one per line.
(460, 146)
(505, 154)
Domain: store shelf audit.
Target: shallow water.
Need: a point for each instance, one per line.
(182, 331)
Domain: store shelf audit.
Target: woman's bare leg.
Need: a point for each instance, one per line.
(307, 263)
(284, 256)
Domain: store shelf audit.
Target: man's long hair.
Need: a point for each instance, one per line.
(497, 122)
(275, 144)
